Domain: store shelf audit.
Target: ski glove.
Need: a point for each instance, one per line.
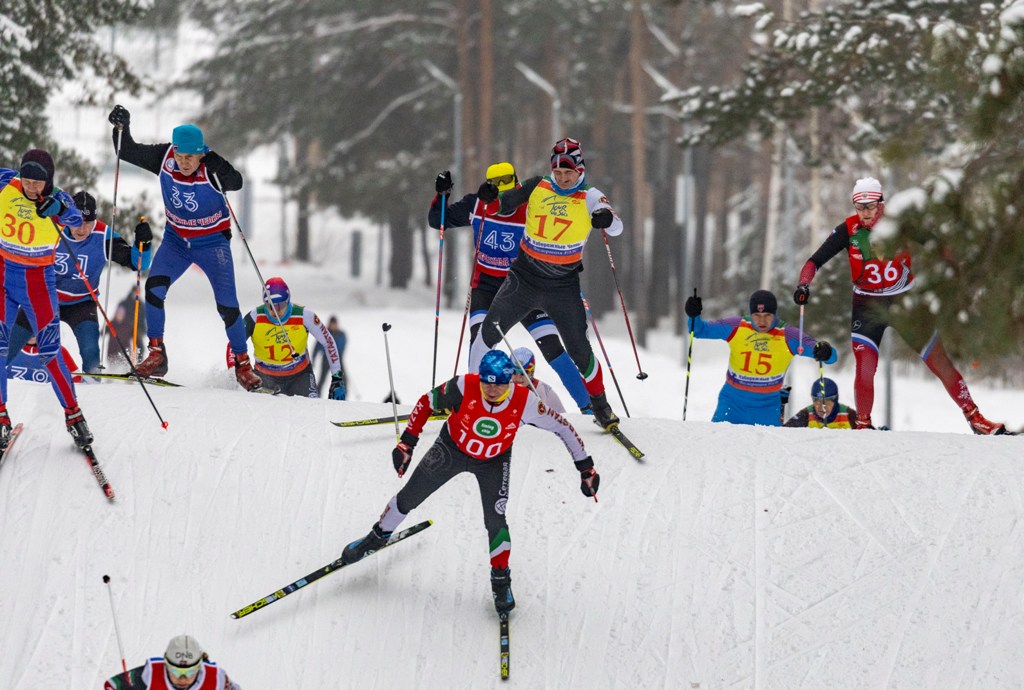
(487, 192)
(602, 218)
(693, 306)
(802, 294)
(119, 116)
(143, 235)
(402, 454)
(48, 206)
(822, 350)
(589, 478)
(337, 390)
(215, 165)
(443, 182)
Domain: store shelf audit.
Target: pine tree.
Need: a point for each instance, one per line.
(934, 88)
(44, 48)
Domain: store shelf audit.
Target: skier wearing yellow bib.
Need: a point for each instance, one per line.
(561, 211)
(761, 349)
(279, 331)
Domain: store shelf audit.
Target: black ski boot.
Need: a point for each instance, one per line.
(603, 411)
(501, 588)
(77, 427)
(5, 429)
(365, 546)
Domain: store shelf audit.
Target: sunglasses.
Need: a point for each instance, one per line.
(871, 206)
(183, 672)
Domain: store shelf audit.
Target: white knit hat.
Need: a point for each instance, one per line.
(866, 190)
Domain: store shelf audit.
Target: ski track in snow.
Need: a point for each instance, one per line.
(731, 558)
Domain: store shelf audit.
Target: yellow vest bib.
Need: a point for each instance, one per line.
(273, 345)
(758, 361)
(25, 238)
(557, 226)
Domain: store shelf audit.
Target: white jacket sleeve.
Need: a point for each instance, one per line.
(323, 336)
(543, 417)
(595, 200)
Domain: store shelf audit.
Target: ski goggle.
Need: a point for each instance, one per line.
(182, 672)
(503, 180)
(870, 206)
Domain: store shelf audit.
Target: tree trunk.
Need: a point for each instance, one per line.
(400, 264)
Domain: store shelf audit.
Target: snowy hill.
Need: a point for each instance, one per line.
(731, 558)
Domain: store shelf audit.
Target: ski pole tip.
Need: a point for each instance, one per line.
(385, 327)
(164, 425)
(106, 579)
(642, 375)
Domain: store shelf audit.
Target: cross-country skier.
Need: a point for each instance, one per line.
(497, 245)
(486, 410)
(184, 666)
(876, 283)
(546, 393)
(761, 349)
(280, 332)
(31, 207)
(198, 231)
(826, 411)
(89, 242)
(561, 210)
(321, 360)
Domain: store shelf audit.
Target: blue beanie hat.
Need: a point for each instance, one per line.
(188, 139)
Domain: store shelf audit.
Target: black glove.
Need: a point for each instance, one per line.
(589, 478)
(487, 192)
(602, 218)
(215, 165)
(822, 350)
(143, 235)
(48, 206)
(693, 306)
(443, 182)
(802, 294)
(402, 454)
(119, 116)
(337, 390)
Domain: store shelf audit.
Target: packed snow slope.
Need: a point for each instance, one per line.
(732, 557)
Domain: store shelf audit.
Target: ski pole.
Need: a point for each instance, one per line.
(515, 360)
(593, 323)
(689, 361)
(391, 380)
(110, 326)
(259, 275)
(469, 292)
(641, 375)
(109, 245)
(800, 338)
(138, 297)
(437, 302)
(117, 630)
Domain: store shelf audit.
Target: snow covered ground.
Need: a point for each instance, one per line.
(732, 557)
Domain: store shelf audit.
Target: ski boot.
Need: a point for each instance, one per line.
(982, 426)
(155, 363)
(5, 429)
(244, 374)
(501, 588)
(361, 548)
(587, 409)
(603, 411)
(864, 423)
(77, 427)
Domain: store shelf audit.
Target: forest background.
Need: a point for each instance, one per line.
(727, 135)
